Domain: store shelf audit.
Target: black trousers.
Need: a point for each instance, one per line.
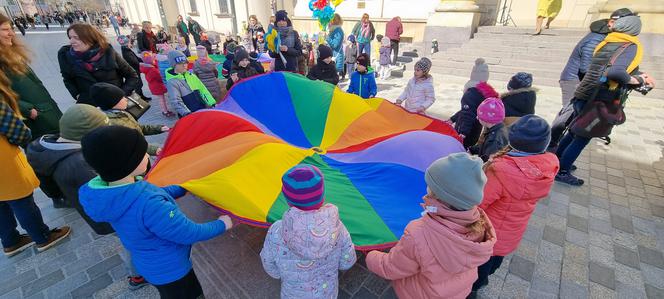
(485, 270)
(186, 287)
(394, 44)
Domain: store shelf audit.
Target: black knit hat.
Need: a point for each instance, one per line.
(106, 95)
(530, 134)
(239, 55)
(114, 152)
(324, 52)
(281, 15)
(622, 12)
(363, 60)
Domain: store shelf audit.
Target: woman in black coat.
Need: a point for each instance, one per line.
(90, 59)
(291, 47)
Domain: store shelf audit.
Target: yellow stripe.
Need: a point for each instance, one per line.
(344, 109)
(249, 186)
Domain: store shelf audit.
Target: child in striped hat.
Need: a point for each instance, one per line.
(309, 245)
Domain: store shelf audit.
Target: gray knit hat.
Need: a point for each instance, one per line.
(176, 57)
(424, 64)
(480, 72)
(80, 119)
(630, 25)
(457, 180)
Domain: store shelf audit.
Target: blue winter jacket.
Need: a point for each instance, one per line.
(336, 41)
(150, 225)
(363, 85)
(579, 60)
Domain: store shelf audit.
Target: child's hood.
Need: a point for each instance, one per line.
(534, 174)
(170, 74)
(311, 234)
(106, 203)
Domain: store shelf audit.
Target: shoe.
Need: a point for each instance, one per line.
(568, 178)
(572, 168)
(136, 282)
(56, 235)
(24, 241)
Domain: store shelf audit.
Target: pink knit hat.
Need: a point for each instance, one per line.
(149, 57)
(492, 111)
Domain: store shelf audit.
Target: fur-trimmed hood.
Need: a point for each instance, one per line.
(486, 90)
(517, 91)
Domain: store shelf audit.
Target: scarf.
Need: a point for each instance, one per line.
(287, 36)
(618, 37)
(151, 41)
(86, 59)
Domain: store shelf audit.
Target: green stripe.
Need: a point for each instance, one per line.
(311, 100)
(365, 226)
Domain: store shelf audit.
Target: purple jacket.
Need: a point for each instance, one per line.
(394, 29)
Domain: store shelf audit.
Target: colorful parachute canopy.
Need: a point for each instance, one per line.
(372, 153)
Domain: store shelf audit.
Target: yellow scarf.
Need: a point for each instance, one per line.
(618, 37)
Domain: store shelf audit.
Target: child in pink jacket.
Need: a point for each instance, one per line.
(517, 178)
(438, 254)
(419, 94)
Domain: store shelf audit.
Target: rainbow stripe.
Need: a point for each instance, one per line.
(372, 154)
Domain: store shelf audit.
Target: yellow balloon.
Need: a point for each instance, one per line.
(336, 3)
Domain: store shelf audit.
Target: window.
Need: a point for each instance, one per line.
(223, 7)
(192, 6)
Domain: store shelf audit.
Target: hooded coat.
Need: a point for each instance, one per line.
(324, 71)
(336, 41)
(465, 120)
(519, 102)
(306, 250)
(419, 94)
(581, 56)
(150, 225)
(433, 260)
(514, 186)
(363, 84)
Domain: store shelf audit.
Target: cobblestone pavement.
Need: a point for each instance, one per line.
(602, 240)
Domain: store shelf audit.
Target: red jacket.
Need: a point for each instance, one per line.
(514, 186)
(152, 75)
(394, 29)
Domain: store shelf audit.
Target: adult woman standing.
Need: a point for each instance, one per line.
(16, 201)
(547, 9)
(89, 59)
(336, 42)
(35, 103)
(364, 33)
(183, 30)
(254, 28)
(146, 39)
(291, 47)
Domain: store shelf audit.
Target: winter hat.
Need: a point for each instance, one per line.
(201, 52)
(253, 56)
(385, 42)
(520, 80)
(480, 72)
(123, 40)
(424, 64)
(176, 57)
(230, 48)
(379, 37)
(303, 187)
(363, 59)
(324, 52)
(457, 180)
(491, 110)
(630, 25)
(240, 54)
(530, 134)
(622, 12)
(351, 38)
(148, 57)
(81, 119)
(106, 95)
(114, 152)
(281, 15)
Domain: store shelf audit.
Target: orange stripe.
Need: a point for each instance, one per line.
(206, 159)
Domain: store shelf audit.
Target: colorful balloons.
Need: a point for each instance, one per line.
(323, 11)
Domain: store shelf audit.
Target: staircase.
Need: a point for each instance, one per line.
(508, 50)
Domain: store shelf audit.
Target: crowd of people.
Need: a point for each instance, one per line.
(92, 156)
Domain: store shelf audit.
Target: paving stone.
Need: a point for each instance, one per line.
(653, 275)
(651, 257)
(601, 255)
(657, 210)
(626, 291)
(522, 267)
(577, 222)
(376, 285)
(389, 294)
(86, 260)
(104, 266)
(17, 281)
(553, 235)
(364, 293)
(624, 239)
(67, 285)
(578, 210)
(600, 202)
(533, 234)
(57, 263)
(42, 283)
(599, 213)
(543, 287)
(89, 288)
(602, 275)
(353, 279)
(621, 223)
(653, 292)
(572, 290)
(601, 226)
(626, 257)
(514, 287)
(583, 201)
(558, 209)
(629, 276)
(576, 254)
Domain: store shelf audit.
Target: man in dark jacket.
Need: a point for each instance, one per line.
(324, 70)
(195, 29)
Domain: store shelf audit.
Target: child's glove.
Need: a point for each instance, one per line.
(227, 221)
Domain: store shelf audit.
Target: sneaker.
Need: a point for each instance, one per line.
(568, 178)
(24, 241)
(136, 282)
(572, 168)
(56, 235)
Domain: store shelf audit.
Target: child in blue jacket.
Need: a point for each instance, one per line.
(363, 80)
(147, 220)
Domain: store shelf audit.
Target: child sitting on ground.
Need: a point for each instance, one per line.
(186, 92)
(325, 69)
(419, 94)
(155, 82)
(363, 80)
(111, 99)
(350, 55)
(438, 254)
(242, 68)
(491, 114)
(149, 223)
(309, 245)
(206, 70)
(465, 120)
(384, 59)
(517, 178)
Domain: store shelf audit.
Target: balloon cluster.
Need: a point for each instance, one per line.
(323, 11)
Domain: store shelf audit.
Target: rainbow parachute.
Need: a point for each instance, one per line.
(372, 153)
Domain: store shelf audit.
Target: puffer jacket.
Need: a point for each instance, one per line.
(435, 258)
(207, 72)
(325, 72)
(465, 120)
(495, 139)
(155, 81)
(363, 85)
(306, 250)
(514, 186)
(519, 102)
(336, 41)
(123, 118)
(582, 55)
(419, 94)
(186, 93)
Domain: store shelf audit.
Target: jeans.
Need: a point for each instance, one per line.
(394, 44)
(571, 146)
(28, 215)
(117, 30)
(350, 68)
(485, 270)
(365, 48)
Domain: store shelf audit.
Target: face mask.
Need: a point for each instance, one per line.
(429, 209)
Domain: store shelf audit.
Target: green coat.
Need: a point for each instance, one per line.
(122, 118)
(33, 95)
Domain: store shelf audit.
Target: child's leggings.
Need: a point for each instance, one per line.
(163, 103)
(485, 270)
(384, 71)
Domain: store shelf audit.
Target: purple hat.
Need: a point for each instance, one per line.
(303, 187)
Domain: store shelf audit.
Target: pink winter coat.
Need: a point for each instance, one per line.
(514, 186)
(394, 29)
(435, 258)
(419, 94)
